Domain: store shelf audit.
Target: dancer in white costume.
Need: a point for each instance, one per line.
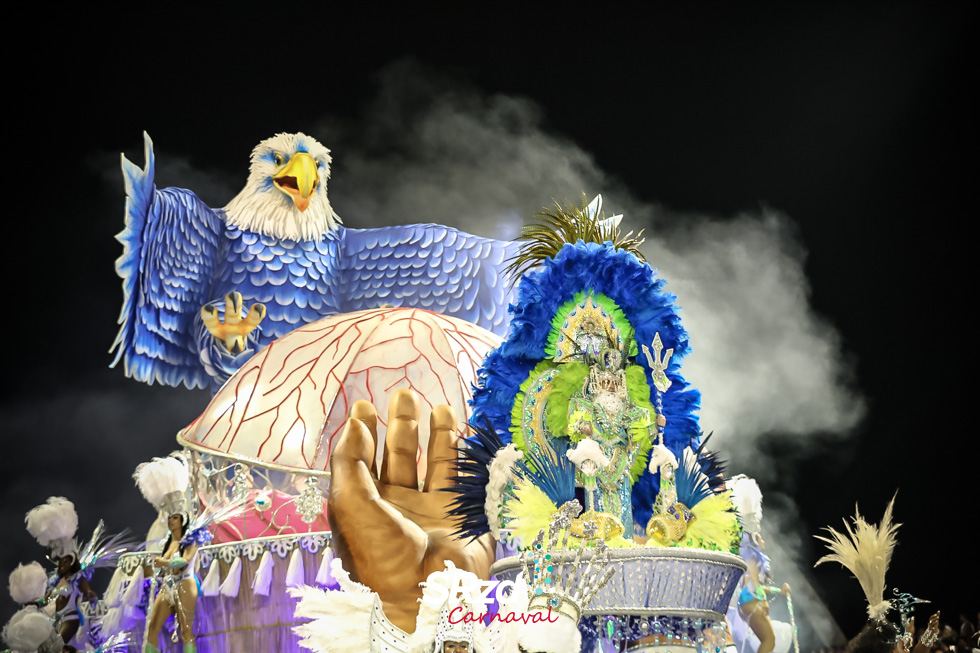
(165, 483)
(54, 524)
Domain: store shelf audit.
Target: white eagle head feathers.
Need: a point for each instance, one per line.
(286, 193)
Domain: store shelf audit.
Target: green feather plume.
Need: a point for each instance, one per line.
(562, 225)
(567, 382)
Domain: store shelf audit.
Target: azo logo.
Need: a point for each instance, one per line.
(474, 590)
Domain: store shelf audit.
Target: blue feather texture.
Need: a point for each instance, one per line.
(693, 486)
(170, 254)
(427, 266)
(552, 471)
(472, 465)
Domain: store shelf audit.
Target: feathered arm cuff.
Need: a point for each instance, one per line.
(198, 536)
(177, 563)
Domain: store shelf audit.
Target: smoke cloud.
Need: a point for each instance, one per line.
(432, 149)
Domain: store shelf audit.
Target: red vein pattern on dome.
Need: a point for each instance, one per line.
(289, 402)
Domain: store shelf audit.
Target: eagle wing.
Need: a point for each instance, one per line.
(428, 266)
(170, 254)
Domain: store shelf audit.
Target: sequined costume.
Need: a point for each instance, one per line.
(173, 579)
(602, 411)
(70, 590)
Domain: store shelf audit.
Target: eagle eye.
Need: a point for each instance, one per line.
(278, 159)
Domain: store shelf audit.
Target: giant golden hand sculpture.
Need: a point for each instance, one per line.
(390, 534)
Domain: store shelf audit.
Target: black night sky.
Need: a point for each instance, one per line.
(850, 119)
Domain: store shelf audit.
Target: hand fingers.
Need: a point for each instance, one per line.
(355, 446)
(369, 534)
(402, 441)
(363, 411)
(352, 488)
(441, 470)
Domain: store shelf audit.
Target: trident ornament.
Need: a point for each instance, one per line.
(658, 366)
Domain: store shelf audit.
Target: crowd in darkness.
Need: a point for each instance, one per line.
(962, 637)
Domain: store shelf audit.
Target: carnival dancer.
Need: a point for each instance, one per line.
(65, 590)
(757, 591)
(609, 429)
(866, 551)
(54, 524)
(757, 588)
(165, 483)
(179, 586)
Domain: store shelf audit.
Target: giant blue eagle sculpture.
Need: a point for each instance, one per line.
(189, 271)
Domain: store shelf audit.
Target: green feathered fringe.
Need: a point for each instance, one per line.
(639, 392)
(566, 382)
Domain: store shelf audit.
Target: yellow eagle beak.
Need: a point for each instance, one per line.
(299, 179)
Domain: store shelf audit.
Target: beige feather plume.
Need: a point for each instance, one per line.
(866, 551)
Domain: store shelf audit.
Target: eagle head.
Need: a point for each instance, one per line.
(286, 193)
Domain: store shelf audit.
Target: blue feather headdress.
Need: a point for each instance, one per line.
(636, 290)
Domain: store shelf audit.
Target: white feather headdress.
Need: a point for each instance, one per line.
(54, 524)
(866, 551)
(28, 583)
(163, 482)
(747, 499)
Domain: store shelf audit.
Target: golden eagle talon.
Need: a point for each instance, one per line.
(234, 331)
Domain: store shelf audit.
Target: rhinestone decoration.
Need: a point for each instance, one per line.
(310, 502)
(656, 583)
(590, 529)
(240, 483)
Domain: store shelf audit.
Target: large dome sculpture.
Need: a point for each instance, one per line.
(266, 438)
(286, 406)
